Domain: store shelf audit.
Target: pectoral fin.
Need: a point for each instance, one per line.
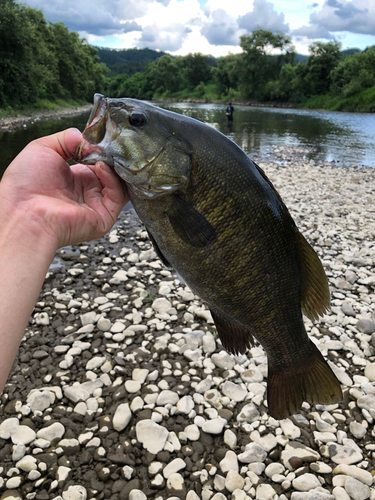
(315, 291)
(235, 338)
(190, 225)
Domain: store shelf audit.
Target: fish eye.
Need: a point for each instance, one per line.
(137, 119)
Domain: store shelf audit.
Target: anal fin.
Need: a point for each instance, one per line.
(313, 381)
(315, 290)
(235, 338)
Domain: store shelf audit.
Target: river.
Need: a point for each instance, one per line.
(343, 138)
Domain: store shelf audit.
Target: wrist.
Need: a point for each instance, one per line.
(23, 229)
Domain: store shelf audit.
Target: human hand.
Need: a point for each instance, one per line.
(69, 204)
(46, 204)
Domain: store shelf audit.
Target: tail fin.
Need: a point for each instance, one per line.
(314, 382)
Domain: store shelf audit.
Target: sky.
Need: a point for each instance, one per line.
(212, 26)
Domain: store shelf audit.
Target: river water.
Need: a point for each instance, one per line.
(343, 138)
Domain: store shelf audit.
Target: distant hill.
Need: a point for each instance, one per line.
(347, 52)
(127, 61)
(300, 58)
(130, 61)
(350, 52)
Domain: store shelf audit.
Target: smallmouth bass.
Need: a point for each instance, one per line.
(214, 216)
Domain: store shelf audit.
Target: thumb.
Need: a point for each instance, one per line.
(64, 143)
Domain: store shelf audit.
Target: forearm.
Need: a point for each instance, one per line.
(44, 204)
(26, 252)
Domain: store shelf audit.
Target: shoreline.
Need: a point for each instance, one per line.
(14, 122)
(121, 384)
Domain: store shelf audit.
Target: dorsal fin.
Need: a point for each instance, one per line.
(315, 290)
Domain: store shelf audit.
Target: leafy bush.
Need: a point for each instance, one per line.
(354, 74)
(41, 60)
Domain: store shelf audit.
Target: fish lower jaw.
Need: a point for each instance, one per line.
(88, 154)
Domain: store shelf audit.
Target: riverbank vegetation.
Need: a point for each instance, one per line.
(43, 65)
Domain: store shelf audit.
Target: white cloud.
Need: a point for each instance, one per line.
(340, 19)
(196, 42)
(221, 29)
(166, 27)
(233, 8)
(181, 26)
(263, 16)
(170, 38)
(312, 32)
(343, 15)
(186, 12)
(92, 16)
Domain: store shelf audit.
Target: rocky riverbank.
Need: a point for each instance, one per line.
(122, 390)
(14, 122)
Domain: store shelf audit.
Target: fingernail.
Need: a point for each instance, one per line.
(105, 167)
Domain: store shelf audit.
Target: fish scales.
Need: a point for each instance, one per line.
(213, 215)
(239, 288)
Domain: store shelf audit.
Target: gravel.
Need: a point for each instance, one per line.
(122, 390)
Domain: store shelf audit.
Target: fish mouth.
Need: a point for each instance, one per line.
(100, 130)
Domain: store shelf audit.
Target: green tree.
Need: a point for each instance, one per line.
(195, 69)
(227, 73)
(264, 53)
(164, 75)
(301, 82)
(43, 60)
(323, 59)
(285, 88)
(113, 85)
(27, 66)
(44, 76)
(80, 73)
(136, 86)
(354, 73)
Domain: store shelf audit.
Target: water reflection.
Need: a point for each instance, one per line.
(229, 130)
